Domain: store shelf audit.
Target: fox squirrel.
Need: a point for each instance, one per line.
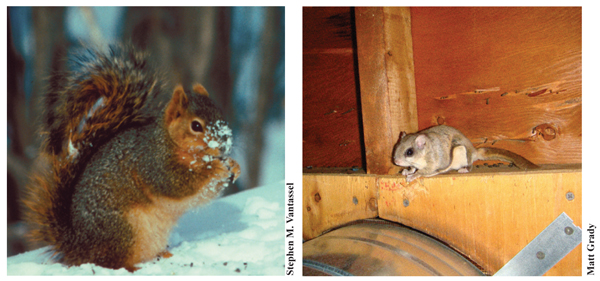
(127, 159)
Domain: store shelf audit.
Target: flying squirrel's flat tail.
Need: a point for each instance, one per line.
(489, 153)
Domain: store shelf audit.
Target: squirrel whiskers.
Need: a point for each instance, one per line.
(127, 158)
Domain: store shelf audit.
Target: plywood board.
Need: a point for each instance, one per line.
(331, 134)
(489, 217)
(331, 200)
(508, 77)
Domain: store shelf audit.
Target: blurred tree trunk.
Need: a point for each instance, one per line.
(186, 44)
(18, 129)
(49, 57)
(24, 112)
(24, 115)
(270, 56)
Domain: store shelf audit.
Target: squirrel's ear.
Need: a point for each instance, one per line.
(402, 135)
(177, 105)
(200, 89)
(421, 140)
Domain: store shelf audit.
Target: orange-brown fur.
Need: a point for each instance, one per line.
(158, 169)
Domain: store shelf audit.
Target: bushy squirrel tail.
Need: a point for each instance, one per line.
(105, 94)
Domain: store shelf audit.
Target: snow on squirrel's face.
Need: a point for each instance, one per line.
(196, 125)
(202, 144)
(219, 136)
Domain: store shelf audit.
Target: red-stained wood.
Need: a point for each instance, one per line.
(331, 125)
(505, 77)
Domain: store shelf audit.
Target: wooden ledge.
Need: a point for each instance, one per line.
(489, 214)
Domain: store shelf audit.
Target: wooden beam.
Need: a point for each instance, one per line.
(387, 83)
(488, 215)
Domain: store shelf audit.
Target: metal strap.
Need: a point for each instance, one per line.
(548, 248)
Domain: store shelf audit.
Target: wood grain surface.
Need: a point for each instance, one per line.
(387, 82)
(488, 215)
(505, 77)
(331, 133)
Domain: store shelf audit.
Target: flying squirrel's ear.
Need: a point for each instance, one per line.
(421, 140)
(200, 89)
(402, 135)
(177, 106)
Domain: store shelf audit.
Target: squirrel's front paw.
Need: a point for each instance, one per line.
(409, 171)
(412, 177)
(226, 169)
(234, 169)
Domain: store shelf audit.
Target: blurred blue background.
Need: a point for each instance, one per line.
(237, 53)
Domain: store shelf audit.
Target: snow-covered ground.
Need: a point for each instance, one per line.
(241, 234)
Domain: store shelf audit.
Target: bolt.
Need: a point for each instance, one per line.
(568, 230)
(405, 202)
(354, 200)
(540, 255)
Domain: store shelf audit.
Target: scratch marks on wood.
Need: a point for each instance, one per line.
(559, 104)
(537, 91)
(481, 91)
(535, 94)
(333, 111)
(544, 131)
(348, 111)
(474, 92)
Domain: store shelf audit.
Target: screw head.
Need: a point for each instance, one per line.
(570, 196)
(405, 202)
(540, 255)
(568, 230)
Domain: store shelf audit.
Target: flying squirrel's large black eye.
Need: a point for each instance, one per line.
(197, 127)
(409, 152)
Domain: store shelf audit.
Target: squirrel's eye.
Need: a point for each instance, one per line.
(409, 152)
(197, 127)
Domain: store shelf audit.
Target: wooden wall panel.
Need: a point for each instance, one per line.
(507, 77)
(331, 122)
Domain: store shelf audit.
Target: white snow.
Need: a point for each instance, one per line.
(242, 234)
(218, 132)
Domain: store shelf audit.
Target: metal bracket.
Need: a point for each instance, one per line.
(548, 248)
